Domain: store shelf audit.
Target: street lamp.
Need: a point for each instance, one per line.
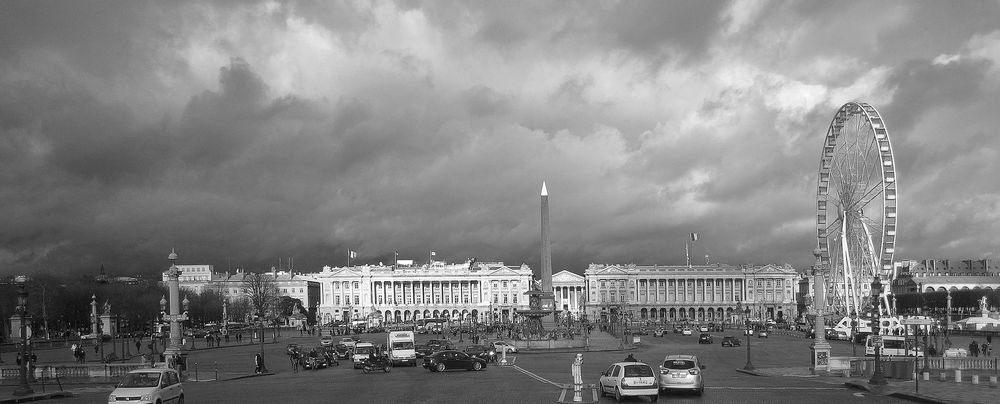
(854, 332)
(877, 377)
(22, 309)
(749, 366)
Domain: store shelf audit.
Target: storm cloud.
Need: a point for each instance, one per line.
(241, 132)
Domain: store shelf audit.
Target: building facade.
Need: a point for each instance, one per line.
(570, 293)
(480, 291)
(700, 293)
(943, 275)
(230, 285)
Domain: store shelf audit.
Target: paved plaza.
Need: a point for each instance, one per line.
(223, 374)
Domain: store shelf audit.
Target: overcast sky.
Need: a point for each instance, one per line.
(240, 132)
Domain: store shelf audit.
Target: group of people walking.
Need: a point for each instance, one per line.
(981, 350)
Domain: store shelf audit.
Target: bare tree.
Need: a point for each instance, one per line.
(262, 293)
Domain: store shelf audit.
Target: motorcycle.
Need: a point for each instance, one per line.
(372, 364)
(331, 359)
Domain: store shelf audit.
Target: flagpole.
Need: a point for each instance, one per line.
(348, 258)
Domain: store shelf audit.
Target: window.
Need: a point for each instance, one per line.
(504, 284)
(496, 298)
(357, 300)
(355, 285)
(514, 298)
(505, 298)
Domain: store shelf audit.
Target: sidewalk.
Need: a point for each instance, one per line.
(931, 391)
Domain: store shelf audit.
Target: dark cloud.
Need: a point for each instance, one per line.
(921, 86)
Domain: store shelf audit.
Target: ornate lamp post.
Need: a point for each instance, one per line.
(175, 317)
(877, 377)
(22, 308)
(749, 366)
(820, 348)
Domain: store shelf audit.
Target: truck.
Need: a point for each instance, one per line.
(361, 351)
(401, 348)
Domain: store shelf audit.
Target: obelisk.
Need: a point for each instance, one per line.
(547, 297)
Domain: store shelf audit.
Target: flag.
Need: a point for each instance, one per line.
(354, 254)
(694, 236)
(433, 254)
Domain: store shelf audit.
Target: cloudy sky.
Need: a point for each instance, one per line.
(240, 132)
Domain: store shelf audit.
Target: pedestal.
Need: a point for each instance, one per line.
(15, 327)
(820, 357)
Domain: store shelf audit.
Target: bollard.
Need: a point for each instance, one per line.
(975, 379)
(958, 375)
(993, 381)
(196, 370)
(216, 364)
(944, 376)
(927, 376)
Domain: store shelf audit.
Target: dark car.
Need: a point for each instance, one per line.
(313, 359)
(481, 352)
(423, 350)
(730, 341)
(342, 351)
(678, 329)
(449, 359)
(705, 339)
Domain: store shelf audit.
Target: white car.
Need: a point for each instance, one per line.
(149, 386)
(501, 346)
(347, 341)
(326, 340)
(686, 331)
(703, 328)
(634, 379)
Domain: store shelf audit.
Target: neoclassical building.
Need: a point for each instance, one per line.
(570, 292)
(393, 294)
(691, 293)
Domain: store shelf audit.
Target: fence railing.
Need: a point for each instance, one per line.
(111, 370)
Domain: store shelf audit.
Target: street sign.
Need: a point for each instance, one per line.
(917, 321)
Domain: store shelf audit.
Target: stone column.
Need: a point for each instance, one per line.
(820, 348)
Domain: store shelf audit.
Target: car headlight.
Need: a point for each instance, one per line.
(145, 397)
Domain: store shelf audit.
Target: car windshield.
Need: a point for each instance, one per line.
(474, 348)
(146, 379)
(638, 371)
(402, 345)
(678, 364)
(362, 350)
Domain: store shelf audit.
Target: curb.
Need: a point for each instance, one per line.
(751, 372)
(247, 377)
(919, 398)
(37, 397)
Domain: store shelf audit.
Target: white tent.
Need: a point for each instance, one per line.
(978, 323)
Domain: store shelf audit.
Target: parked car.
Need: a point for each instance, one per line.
(313, 359)
(445, 360)
(659, 332)
(705, 339)
(730, 341)
(703, 328)
(326, 340)
(682, 373)
(148, 386)
(678, 329)
(686, 331)
(762, 334)
(481, 352)
(501, 346)
(633, 379)
(348, 341)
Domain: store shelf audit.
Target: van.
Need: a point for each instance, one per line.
(892, 345)
(401, 348)
(362, 350)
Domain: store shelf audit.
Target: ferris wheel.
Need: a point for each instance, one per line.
(856, 208)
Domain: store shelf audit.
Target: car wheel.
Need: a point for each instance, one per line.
(618, 394)
(387, 369)
(477, 366)
(699, 392)
(440, 367)
(654, 397)
(364, 370)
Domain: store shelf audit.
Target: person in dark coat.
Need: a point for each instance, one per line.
(630, 358)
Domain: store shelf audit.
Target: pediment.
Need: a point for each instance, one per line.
(567, 276)
(774, 269)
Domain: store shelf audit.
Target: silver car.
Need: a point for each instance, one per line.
(682, 373)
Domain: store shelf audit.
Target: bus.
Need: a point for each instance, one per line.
(401, 348)
(892, 345)
(426, 325)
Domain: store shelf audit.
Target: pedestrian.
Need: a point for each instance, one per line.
(18, 359)
(973, 348)
(258, 363)
(630, 358)
(138, 345)
(294, 358)
(985, 349)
